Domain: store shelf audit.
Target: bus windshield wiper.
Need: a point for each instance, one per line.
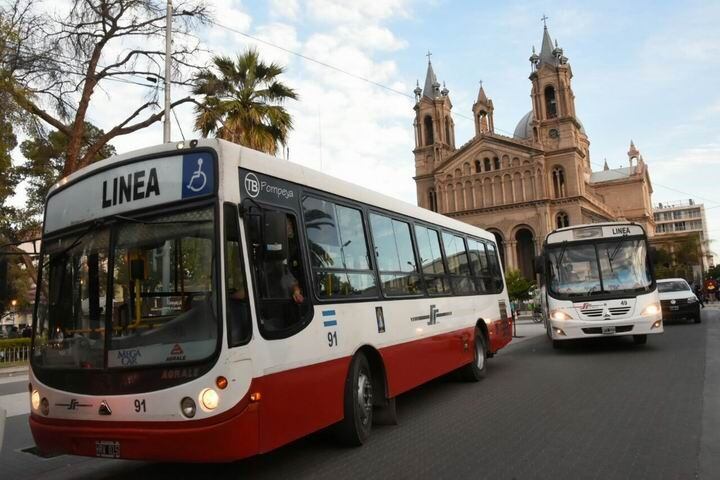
(76, 241)
(562, 254)
(611, 257)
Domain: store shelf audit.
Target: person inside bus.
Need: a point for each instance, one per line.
(284, 268)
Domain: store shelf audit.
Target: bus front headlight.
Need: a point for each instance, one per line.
(652, 309)
(559, 315)
(209, 399)
(35, 400)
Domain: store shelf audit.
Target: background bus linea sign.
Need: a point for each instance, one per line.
(131, 187)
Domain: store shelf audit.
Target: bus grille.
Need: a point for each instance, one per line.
(594, 312)
(619, 310)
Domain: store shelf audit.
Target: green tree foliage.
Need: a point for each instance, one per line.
(243, 102)
(57, 63)
(678, 263)
(46, 157)
(518, 286)
(714, 272)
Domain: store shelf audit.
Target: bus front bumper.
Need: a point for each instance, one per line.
(573, 329)
(225, 439)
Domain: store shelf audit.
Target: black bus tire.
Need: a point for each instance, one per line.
(477, 369)
(354, 428)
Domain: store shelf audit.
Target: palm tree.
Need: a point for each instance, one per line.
(243, 104)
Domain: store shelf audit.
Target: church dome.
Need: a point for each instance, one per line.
(524, 126)
(523, 130)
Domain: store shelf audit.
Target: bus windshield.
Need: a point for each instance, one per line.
(156, 305)
(615, 266)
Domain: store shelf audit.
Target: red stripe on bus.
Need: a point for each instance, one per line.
(293, 403)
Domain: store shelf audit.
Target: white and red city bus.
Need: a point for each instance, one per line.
(206, 302)
(598, 280)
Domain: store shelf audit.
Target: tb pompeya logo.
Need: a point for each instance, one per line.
(254, 187)
(176, 354)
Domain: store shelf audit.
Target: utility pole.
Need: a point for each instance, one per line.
(168, 67)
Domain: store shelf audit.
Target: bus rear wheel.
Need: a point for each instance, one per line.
(354, 429)
(476, 370)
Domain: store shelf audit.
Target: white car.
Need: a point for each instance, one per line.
(677, 300)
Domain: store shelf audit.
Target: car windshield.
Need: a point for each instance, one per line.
(615, 266)
(673, 286)
(152, 296)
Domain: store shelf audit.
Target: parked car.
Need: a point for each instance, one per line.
(677, 300)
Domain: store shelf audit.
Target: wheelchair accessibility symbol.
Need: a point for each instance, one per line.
(198, 180)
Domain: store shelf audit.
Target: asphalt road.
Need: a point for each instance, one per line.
(603, 409)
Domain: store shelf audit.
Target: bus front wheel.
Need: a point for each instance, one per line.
(354, 429)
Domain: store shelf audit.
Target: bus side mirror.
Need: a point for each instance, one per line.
(540, 265)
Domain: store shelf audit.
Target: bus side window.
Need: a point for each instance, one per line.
(238, 307)
(431, 260)
(495, 267)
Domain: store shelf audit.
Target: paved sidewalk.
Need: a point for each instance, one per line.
(526, 329)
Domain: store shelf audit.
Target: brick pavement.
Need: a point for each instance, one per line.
(601, 409)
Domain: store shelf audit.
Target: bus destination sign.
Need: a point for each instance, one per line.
(131, 187)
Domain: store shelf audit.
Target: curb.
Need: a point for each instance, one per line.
(13, 371)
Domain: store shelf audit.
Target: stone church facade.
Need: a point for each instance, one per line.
(522, 187)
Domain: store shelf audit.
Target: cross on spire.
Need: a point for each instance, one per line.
(429, 54)
(544, 20)
(480, 83)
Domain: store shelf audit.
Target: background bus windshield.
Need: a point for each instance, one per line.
(613, 266)
(161, 292)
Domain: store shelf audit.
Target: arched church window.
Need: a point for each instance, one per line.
(429, 140)
(486, 161)
(478, 167)
(558, 180)
(550, 102)
(562, 220)
(447, 131)
(496, 163)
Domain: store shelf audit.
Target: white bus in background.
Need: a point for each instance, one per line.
(206, 302)
(598, 280)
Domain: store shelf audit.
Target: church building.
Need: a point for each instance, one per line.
(520, 188)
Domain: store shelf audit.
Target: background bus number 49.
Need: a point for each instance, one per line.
(332, 339)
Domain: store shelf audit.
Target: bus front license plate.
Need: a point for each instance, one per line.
(608, 330)
(107, 449)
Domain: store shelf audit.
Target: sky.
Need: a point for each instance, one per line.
(643, 70)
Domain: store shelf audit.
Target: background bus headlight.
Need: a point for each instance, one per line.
(559, 315)
(209, 399)
(652, 309)
(35, 399)
(187, 405)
